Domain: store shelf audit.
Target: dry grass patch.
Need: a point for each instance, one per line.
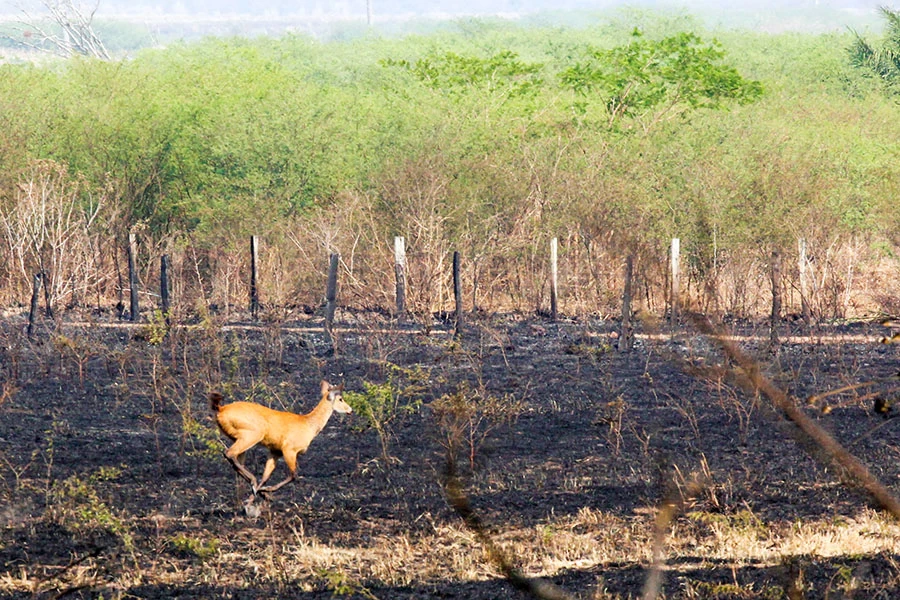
(742, 537)
(586, 541)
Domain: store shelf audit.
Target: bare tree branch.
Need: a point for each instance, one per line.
(75, 35)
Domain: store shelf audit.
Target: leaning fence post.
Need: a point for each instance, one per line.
(35, 296)
(400, 275)
(254, 290)
(457, 295)
(331, 297)
(132, 275)
(554, 278)
(45, 284)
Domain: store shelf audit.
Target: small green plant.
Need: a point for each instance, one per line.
(76, 503)
(194, 547)
(381, 405)
(588, 350)
(156, 330)
(340, 584)
(201, 440)
(466, 417)
(231, 356)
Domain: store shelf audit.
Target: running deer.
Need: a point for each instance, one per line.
(285, 434)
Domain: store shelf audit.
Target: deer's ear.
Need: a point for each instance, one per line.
(340, 388)
(325, 387)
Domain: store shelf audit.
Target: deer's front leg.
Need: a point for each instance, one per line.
(291, 462)
(267, 472)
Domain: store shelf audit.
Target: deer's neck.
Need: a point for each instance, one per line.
(320, 414)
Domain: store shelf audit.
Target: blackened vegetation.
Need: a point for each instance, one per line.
(113, 481)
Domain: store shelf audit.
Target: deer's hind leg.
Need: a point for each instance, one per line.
(235, 454)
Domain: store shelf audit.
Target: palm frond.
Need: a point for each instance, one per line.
(883, 60)
(892, 29)
(860, 51)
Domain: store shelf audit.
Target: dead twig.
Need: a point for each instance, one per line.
(858, 399)
(815, 398)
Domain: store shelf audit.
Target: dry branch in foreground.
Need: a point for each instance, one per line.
(539, 588)
(756, 381)
(670, 507)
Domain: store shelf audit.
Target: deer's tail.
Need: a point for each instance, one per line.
(215, 401)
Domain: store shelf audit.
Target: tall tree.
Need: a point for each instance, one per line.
(654, 80)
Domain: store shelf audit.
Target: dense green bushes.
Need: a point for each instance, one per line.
(490, 140)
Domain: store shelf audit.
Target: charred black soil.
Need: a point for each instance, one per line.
(113, 483)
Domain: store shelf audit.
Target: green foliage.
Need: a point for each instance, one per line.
(589, 350)
(224, 132)
(485, 136)
(454, 73)
(195, 547)
(650, 79)
(203, 440)
(467, 417)
(156, 330)
(382, 405)
(76, 503)
(342, 584)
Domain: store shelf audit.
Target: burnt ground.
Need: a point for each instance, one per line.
(113, 483)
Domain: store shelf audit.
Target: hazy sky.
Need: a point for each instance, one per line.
(769, 15)
(284, 7)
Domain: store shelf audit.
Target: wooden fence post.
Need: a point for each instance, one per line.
(626, 335)
(132, 276)
(775, 273)
(676, 283)
(120, 287)
(164, 287)
(400, 275)
(48, 305)
(457, 295)
(554, 278)
(331, 298)
(254, 290)
(803, 266)
(35, 296)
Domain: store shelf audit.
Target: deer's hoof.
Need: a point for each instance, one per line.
(252, 510)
